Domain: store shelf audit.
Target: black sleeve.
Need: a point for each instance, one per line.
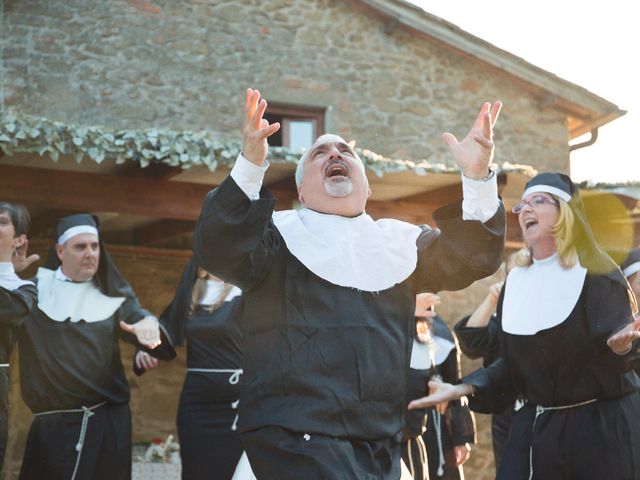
(479, 342)
(460, 251)
(16, 304)
(235, 238)
(458, 417)
(608, 311)
(492, 388)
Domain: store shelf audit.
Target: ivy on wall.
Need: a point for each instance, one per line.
(29, 134)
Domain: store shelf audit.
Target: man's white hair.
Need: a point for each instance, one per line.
(326, 138)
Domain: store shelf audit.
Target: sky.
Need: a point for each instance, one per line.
(592, 44)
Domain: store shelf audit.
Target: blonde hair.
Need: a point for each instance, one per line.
(563, 235)
(197, 294)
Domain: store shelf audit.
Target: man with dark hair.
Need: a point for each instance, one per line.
(17, 298)
(71, 375)
(330, 297)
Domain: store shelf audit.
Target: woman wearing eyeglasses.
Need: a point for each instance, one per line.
(567, 339)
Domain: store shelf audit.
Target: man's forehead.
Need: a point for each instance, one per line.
(82, 238)
(328, 139)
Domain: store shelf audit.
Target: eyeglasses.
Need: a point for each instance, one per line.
(534, 202)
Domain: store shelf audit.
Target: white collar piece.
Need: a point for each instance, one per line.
(61, 299)
(354, 252)
(8, 278)
(540, 296)
(215, 288)
(424, 355)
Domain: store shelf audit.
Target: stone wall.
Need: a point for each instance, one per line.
(185, 65)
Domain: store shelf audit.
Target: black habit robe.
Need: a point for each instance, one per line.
(15, 304)
(75, 365)
(567, 364)
(322, 358)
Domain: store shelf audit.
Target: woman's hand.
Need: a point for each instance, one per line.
(144, 361)
(620, 343)
(440, 392)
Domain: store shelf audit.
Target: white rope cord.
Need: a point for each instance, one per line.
(4, 365)
(539, 411)
(234, 405)
(87, 412)
(410, 452)
(437, 420)
(233, 379)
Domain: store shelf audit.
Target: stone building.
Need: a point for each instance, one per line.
(130, 109)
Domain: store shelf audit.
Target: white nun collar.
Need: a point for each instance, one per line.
(540, 296)
(425, 355)
(351, 251)
(63, 300)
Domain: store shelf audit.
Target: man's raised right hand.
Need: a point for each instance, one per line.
(256, 129)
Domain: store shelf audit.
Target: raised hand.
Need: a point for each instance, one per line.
(620, 342)
(494, 293)
(20, 260)
(256, 129)
(475, 152)
(424, 302)
(146, 331)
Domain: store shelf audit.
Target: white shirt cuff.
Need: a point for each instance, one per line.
(480, 198)
(248, 176)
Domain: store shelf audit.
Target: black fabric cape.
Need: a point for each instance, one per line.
(336, 356)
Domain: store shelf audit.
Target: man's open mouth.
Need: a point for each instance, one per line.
(336, 169)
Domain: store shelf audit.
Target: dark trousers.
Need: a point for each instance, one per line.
(279, 454)
(105, 455)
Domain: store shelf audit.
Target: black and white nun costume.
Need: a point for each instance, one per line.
(210, 445)
(581, 419)
(329, 318)
(430, 437)
(71, 375)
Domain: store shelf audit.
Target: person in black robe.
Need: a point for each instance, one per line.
(330, 294)
(71, 375)
(206, 312)
(478, 337)
(567, 344)
(444, 433)
(17, 298)
(631, 268)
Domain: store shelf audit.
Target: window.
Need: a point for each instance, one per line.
(299, 128)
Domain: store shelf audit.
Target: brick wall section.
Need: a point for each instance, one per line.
(184, 65)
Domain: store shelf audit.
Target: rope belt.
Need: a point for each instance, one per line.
(4, 365)
(234, 378)
(437, 420)
(87, 412)
(539, 411)
(422, 454)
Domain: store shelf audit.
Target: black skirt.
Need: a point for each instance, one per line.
(209, 442)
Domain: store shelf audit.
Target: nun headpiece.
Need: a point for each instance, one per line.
(108, 277)
(591, 256)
